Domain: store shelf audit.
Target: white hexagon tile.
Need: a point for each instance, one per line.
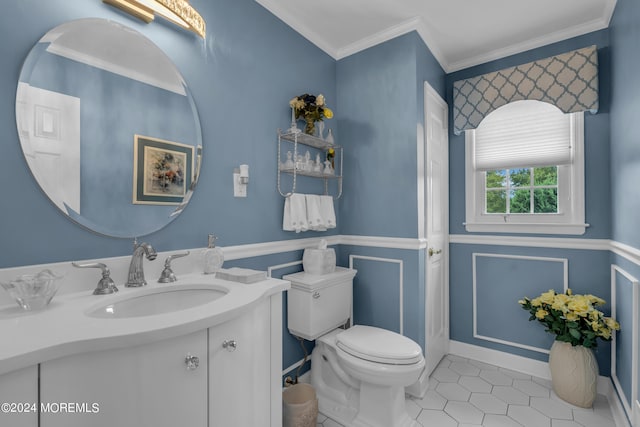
(467, 393)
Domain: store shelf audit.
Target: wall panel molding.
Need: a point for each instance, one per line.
(565, 279)
(629, 252)
(630, 403)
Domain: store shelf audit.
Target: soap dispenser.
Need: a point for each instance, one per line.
(213, 256)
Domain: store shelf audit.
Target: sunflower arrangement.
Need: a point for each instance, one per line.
(311, 109)
(572, 318)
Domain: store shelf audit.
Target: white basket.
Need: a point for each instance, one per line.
(299, 406)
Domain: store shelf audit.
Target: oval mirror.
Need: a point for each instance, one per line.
(108, 127)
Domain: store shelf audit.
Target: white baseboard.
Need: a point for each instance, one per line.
(535, 368)
(617, 410)
(522, 364)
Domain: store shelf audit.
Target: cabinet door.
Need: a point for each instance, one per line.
(19, 390)
(147, 385)
(240, 371)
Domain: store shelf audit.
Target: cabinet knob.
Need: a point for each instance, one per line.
(230, 345)
(192, 362)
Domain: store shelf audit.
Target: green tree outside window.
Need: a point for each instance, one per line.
(529, 190)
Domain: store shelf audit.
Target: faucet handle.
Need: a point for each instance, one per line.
(167, 274)
(105, 285)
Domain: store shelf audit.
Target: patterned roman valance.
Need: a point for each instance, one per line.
(568, 81)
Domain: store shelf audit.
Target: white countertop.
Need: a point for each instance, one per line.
(63, 328)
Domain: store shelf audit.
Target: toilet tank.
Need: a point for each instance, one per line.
(317, 304)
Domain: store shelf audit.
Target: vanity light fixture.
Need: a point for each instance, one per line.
(180, 12)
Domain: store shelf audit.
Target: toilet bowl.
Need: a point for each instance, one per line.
(360, 374)
(379, 356)
(364, 384)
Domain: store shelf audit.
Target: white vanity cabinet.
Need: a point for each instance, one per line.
(237, 382)
(147, 385)
(241, 369)
(140, 370)
(19, 397)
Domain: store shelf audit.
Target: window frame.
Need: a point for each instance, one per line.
(570, 218)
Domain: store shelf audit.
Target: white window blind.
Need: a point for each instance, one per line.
(523, 134)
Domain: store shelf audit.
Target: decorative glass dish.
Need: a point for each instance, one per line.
(34, 291)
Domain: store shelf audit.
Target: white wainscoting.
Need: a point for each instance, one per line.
(563, 261)
(633, 409)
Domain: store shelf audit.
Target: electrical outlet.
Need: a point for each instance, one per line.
(239, 190)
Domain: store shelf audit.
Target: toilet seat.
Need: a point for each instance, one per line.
(379, 346)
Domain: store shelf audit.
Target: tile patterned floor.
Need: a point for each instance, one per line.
(466, 393)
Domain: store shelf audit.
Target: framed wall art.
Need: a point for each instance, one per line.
(162, 171)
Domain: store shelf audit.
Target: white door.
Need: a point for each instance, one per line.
(49, 126)
(437, 227)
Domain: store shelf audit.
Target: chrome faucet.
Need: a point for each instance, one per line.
(136, 272)
(167, 275)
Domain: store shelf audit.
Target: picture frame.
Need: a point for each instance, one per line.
(162, 171)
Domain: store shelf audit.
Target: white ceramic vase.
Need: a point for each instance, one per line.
(574, 373)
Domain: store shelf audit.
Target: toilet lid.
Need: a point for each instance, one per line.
(379, 345)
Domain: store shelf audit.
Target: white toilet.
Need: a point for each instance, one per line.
(359, 374)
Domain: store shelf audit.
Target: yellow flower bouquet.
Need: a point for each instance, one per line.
(572, 318)
(311, 109)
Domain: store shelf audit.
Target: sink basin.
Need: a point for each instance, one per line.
(163, 301)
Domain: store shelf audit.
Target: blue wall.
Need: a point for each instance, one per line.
(625, 107)
(499, 284)
(380, 95)
(625, 174)
(381, 103)
(597, 181)
(503, 275)
(242, 78)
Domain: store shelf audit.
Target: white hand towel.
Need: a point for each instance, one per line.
(295, 213)
(314, 215)
(327, 211)
(286, 216)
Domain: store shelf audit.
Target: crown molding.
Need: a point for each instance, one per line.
(280, 12)
(412, 24)
(417, 24)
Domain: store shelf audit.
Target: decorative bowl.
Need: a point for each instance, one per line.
(34, 291)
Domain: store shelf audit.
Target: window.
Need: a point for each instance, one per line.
(525, 171)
